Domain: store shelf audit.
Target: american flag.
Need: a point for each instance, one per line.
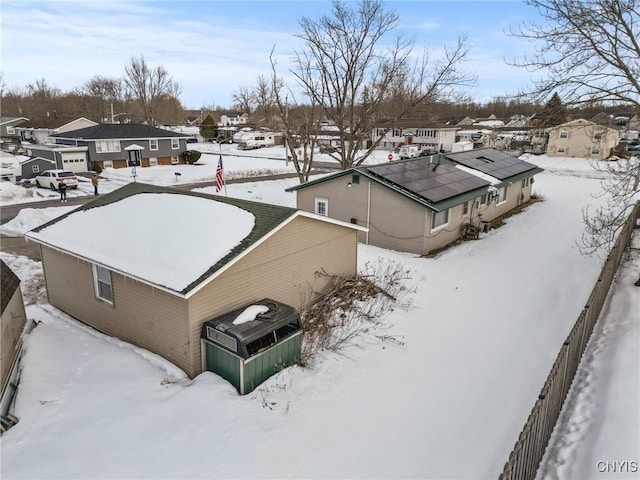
(219, 175)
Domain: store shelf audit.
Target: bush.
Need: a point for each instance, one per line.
(192, 156)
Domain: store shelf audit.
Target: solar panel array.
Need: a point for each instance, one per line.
(429, 180)
(492, 162)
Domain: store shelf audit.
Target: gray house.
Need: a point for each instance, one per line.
(32, 167)
(8, 129)
(68, 157)
(423, 204)
(106, 144)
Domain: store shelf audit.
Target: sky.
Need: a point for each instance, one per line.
(444, 396)
(213, 48)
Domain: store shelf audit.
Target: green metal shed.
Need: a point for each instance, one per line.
(248, 345)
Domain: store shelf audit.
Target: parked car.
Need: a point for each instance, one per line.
(327, 149)
(428, 151)
(52, 178)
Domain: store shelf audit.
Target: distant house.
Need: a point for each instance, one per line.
(68, 157)
(424, 135)
(8, 132)
(153, 279)
(423, 204)
(582, 138)
(233, 119)
(12, 322)
(39, 130)
(106, 144)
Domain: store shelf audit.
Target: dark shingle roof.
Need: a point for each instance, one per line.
(49, 122)
(267, 218)
(9, 283)
(119, 131)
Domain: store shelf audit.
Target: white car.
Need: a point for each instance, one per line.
(52, 178)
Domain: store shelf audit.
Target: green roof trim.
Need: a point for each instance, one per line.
(267, 218)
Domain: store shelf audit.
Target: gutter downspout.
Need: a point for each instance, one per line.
(368, 211)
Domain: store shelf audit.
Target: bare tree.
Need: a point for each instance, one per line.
(587, 51)
(243, 99)
(107, 91)
(344, 70)
(149, 85)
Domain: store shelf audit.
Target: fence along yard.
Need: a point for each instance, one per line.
(527, 453)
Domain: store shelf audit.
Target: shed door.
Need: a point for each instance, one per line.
(221, 362)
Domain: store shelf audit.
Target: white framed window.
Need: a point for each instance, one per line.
(35, 168)
(483, 199)
(322, 206)
(153, 161)
(153, 144)
(502, 195)
(562, 150)
(175, 160)
(107, 164)
(439, 219)
(175, 143)
(564, 134)
(107, 146)
(102, 283)
(465, 208)
(597, 136)
(11, 131)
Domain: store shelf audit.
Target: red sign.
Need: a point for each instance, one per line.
(390, 156)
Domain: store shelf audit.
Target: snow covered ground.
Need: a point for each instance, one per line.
(447, 399)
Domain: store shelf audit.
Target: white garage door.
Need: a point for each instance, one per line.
(76, 162)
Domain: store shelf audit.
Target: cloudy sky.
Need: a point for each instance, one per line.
(212, 48)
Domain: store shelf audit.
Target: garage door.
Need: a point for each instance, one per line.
(76, 162)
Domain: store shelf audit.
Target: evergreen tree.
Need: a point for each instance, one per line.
(208, 128)
(554, 112)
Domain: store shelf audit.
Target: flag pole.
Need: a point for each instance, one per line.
(224, 181)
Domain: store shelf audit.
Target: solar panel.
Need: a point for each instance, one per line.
(432, 181)
(492, 162)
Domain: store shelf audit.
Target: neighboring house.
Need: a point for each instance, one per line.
(479, 137)
(32, 167)
(232, 119)
(66, 157)
(40, 129)
(12, 322)
(153, 279)
(106, 144)
(423, 204)
(8, 132)
(582, 138)
(438, 137)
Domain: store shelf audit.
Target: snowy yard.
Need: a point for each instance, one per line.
(447, 400)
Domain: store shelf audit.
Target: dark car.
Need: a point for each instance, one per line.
(428, 151)
(328, 149)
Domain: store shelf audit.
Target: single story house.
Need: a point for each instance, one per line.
(151, 264)
(12, 322)
(423, 204)
(38, 130)
(427, 135)
(67, 157)
(106, 144)
(32, 167)
(582, 138)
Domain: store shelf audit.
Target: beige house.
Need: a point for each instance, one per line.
(12, 323)
(582, 138)
(423, 204)
(150, 264)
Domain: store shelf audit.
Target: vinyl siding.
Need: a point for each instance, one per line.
(11, 325)
(283, 268)
(141, 314)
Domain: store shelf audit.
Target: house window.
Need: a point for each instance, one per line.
(175, 143)
(355, 179)
(35, 168)
(564, 134)
(595, 151)
(153, 144)
(107, 164)
(597, 136)
(107, 146)
(153, 161)
(439, 219)
(174, 160)
(562, 150)
(483, 199)
(465, 208)
(11, 131)
(322, 206)
(502, 195)
(102, 282)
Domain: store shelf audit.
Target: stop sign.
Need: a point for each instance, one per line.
(390, 156)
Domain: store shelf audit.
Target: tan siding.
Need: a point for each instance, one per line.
(11, 325)
(283, 268)
(141, 314)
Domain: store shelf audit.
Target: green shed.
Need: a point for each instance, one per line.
(248, 345)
